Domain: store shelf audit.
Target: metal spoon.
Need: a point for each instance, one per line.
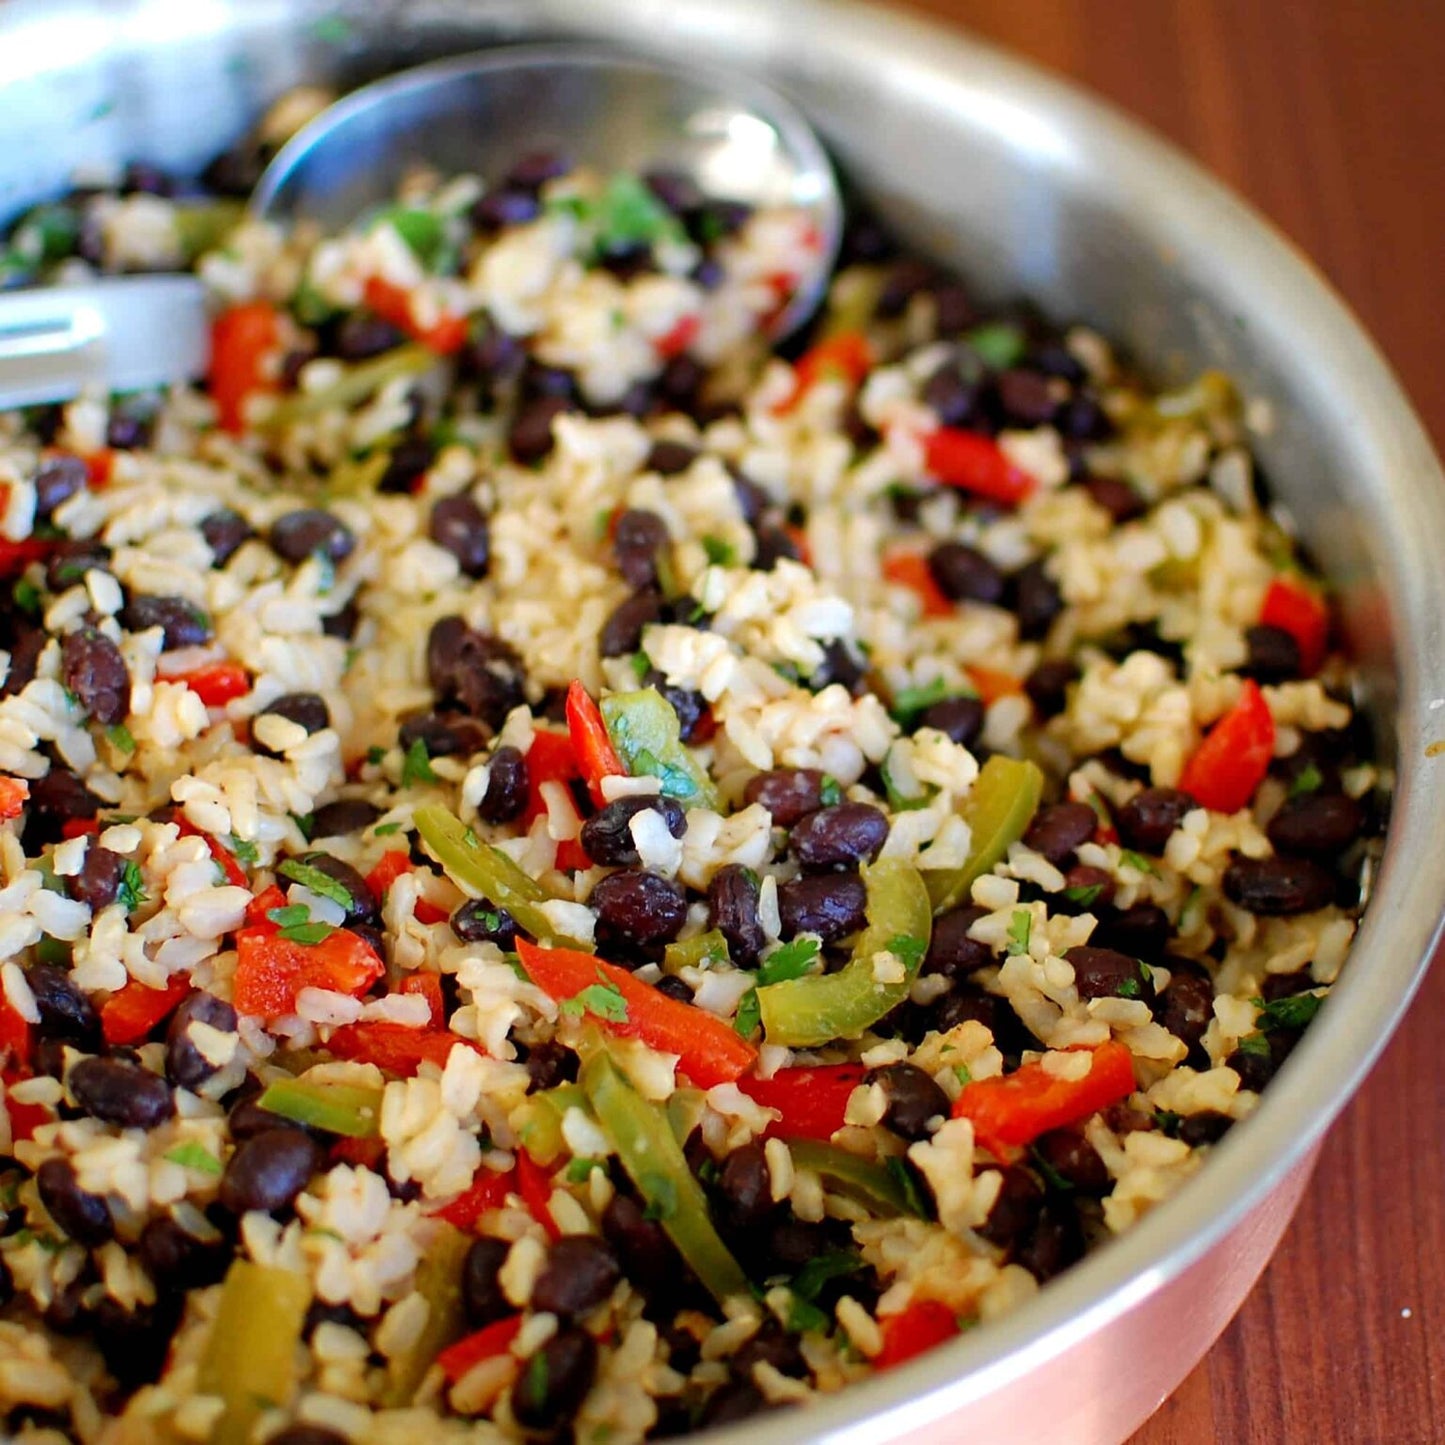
(735, 138)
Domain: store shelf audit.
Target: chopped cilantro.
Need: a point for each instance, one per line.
(120, 737)
(1137, 862)
(897, 801)
(629, 214)
(1129, 988)
(421, 230)
(660, 1191)
(245, 851)
(819, 1271)
(305, 824)
(1019, 929)
(579, 1171)
(831, 792)
(805, 1318)
(641, 666)
(1308, 780)
(719, 552)
(307, 933)
(907, 1181)
(131, 893)
(1084, 894)
(289, 916)
(749, 1014)
(601, 1000)
(602, 522)
(26, 596)
(536, 1383)
(1051, 1176)
(908, 949)
(998, 344)
(1255, 1044)
(1292, 1012)
(417, 768)
(375, 755)
(909, 702)
(385, 830)
(319, 882)
(788, 960)
(192, 1155)
(1168, 1122)
(962, 1073)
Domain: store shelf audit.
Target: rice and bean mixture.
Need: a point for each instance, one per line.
(568, 874)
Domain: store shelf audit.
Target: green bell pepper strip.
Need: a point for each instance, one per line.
(360, 381)
(806, 1012)
(645, 731)
(338, 1108)
(875, 1185)
(654, 1160)
(1005, 797)
(250, 1358)
(710, 947)
(539, 1121)
(439, 1282)
(488, 873)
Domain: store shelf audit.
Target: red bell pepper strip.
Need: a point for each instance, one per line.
(242, 338)
(534, 1184)
(13, 793)
(489, 1190)
(217, 683)
(1011, 1111)
(710, 1048)
(25, 1119)
(429, 986)
(911, 570)
(1297, 609)
(918, 1328)
(679, 338)
(389, 867)
(263, 903)
(1232, 760)
(393, 1048)
(552, 759)
(976, 464)
(15, 1037)
(15, 557)
(366, 1153)
(846, 356)
(230, 865)
(991, 684)
(393, 303)
(812, 1101)
(487, 1343)
(271, 971)
(99, 468)
(130, 1013)
(79, 827)
(591, 747)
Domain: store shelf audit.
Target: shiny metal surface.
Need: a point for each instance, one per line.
(737, 139)
(1031, 188)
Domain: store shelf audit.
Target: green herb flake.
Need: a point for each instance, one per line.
(999, 344)
(962, 1073)
(1084, 894)
(120, 737)
(749, 1015)
(385, 830)
(805, 1318)
(641, 666)
(26, 596)
(788, 960)
(318, 882)
(907, 1182)
(1137, 862)
(1295, 1011)
(660, 1191)
(831, 792)
(719, 552)
(909, 702)
(305, 824)
(579, 1171)
(822, 1269)
(1309, 780)
(1254, 1044)
(131, 893)
(1019, 930)
(307, 933)
(908, 949)
(535, 1383)
(1168, 1122)
(417, 768)
(245, 851)
(1051, 1176)
(289, 916)
(375, 755)
(421, 230)
(192, 1155)
(601, 1000)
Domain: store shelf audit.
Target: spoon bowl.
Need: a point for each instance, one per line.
(735, 139)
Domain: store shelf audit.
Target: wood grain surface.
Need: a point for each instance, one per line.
(1328, 115)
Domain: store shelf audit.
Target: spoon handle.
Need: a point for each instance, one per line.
(119, 334)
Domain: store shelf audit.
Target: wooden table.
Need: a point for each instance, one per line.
(1329, 115)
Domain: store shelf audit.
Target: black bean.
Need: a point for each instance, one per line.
(842, 836)
(1083, 418)
(536, 168)
(530, 436)
(622, 632)
(1318, 825)
(507, 206)
(675, 189)
(1273, 656)
(1069, 1155)
(555, 1381)
(674, 988)
(492, 357)
(1059, 828)
(443, 734)
(903, 281)
(96, 673)
(183, 624)
(637, 537)
(186, 1066)
(1106, 973)
(483, 674)
(478, 921)
(1254, 1062)
(176, 1260)
(1207, 1127)
(637, 913)
(306, 709)
(459, 526)
(1053, 1243)
(342, 623)
(99, 879)
(641, 1244)
(745, 1185)
(1147, 820)
(1142, 930)
(732, 898)
(83, 1216)
(683, 375)
(343, 817)
(689, 705)
(25, 649)
(117, 1091)
(729, 1403)
(124, 433)
(914, 1099)
(1116, 497)
(482, 1294)
(58, 479)
(950, 950)
(71, 558)
(1278, 886)
(668, 458)
(774, 544)
(1185, 1007)
(224, 531)
(55, 800)
(360, 906)
(789, 794)
(952, 397)
(1025, 396)
(607, 835)
(1092, 889)
(408, 464)
(963, 572)
(550, 1064)
(65, 1011)
(309, 530)
(953, 308)
(1036, 600)
(958, 718)
(506, 794)
(832, 905)
(269, 1170)
(580, 1273)
(772, 1345)
(1016, 1210)
(361, 336)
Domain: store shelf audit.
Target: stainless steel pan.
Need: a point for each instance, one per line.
(1032, 189)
